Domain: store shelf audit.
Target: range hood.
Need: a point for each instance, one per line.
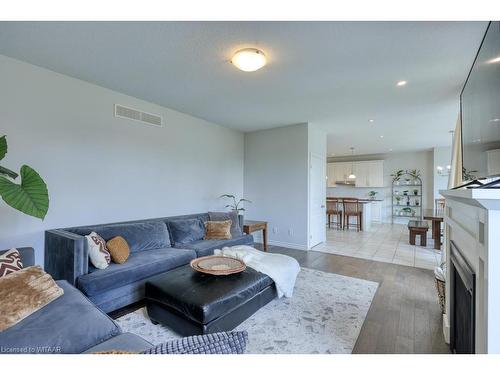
(346, 182)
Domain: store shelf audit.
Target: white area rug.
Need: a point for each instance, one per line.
(325, 315)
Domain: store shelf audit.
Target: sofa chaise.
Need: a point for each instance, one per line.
(156, 246)
(71, 324)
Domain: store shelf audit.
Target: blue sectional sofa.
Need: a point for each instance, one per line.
(69, 324)
(156, 246)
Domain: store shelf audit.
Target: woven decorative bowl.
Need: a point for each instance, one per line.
(218, 265)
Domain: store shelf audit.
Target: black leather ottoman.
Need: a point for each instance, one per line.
(193, 303)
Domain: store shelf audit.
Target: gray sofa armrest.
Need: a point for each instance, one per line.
(66, 255)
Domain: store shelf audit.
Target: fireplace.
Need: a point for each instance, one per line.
(462, 303)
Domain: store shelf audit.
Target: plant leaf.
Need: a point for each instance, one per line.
(8, 172)
(227, 196)
(3, 146)
(30, 197)
(245, 200)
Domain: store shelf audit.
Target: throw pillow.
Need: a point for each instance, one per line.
(118, 249)
(218, 230)
(98, 252)
(10, 262)
(231, 215)
(212, 343)
(23, 292)
(186, 230)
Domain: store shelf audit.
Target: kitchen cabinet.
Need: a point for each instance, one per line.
(368, 173)
(338, 172)
(376, 211)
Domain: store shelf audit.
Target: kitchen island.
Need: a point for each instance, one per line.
(366, 208)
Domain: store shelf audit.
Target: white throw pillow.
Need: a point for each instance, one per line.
(98, 252)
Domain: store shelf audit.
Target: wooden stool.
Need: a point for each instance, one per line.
(419, 227)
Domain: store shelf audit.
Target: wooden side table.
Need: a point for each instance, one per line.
(250, 226)
(418, 227)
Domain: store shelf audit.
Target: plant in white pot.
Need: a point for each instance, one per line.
(236, 205)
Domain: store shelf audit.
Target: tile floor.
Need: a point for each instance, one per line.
(384, 243)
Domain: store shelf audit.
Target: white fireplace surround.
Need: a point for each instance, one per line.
(472, 222)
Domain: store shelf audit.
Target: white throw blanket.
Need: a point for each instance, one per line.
(281, 268)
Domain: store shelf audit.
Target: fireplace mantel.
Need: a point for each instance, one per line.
(472, 221)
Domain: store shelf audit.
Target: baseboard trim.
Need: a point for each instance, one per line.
(290, 245)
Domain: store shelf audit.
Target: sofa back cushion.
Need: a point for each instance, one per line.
(148, 235)
(184, 231)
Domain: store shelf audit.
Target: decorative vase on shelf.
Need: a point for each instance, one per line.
(415, 192)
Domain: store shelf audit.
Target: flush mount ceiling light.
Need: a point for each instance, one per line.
(494, 61)
(249, 59)
(371, 120)
(401, 83)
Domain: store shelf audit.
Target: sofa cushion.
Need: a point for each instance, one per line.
(140, 265)
(69, 324)
(139, 236)
(186, 230)
(207, 247)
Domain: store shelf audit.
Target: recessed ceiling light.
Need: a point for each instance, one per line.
(381, 136)
(494, 61)
(390, 149)
(495, 120)
(371, 120)
(249, 59)
(401, 83)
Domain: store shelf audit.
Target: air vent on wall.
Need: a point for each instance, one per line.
(136, 115)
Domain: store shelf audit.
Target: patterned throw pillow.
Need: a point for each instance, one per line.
(118, 248)
(10, 262)
(218, 230)
(212, 343)
(98, 252)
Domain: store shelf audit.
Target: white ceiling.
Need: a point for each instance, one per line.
(335, 74)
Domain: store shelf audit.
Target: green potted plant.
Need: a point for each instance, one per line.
(235, 205)
(372, 194)
(398, 200)
(406, 211)
(31, 195)
(415, 191)
(396, 176)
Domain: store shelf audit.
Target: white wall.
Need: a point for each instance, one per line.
(422, 160)
(442, 158)
(276, 181)
(102, 169)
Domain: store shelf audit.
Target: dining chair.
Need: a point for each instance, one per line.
(352, 207)
(334, 208)
(439, 204)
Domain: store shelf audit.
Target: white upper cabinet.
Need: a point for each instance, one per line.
(362, 172)
(376, 173)
(368, 173)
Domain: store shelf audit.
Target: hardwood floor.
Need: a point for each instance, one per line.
(404, 316)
